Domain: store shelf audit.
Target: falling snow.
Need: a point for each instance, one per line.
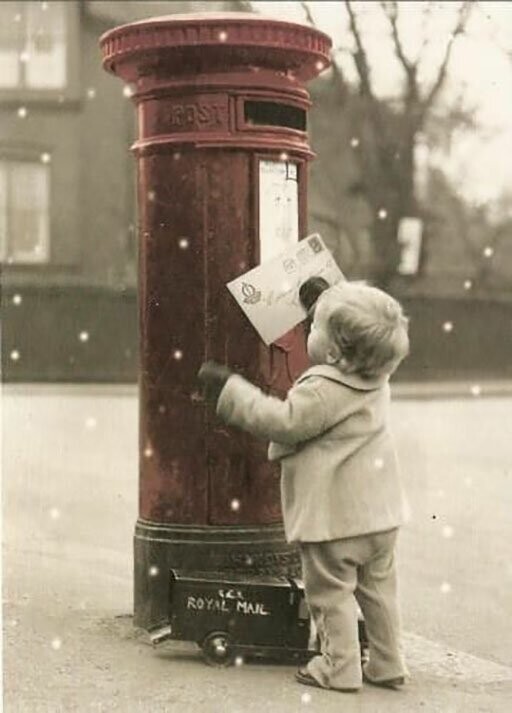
(153, 571)
(476, 390)
(90, 422)
(239, 661)
(17, 299)
(22, 112)
(45, 157)
(222, 36)
(54, 513)
(448, 327)
(306, 698)
(378, 463)
(468, 284)
(235, 505)
(488, 252)
(183, 243)
(283, 156)
(15, 355)
(177, 354)
(127, 92)
(320, 65)
(91, 93)
(56, 644)
(354, 142)
(383, 214)
(447, 531)
(84, 336)
(445, 588)
(148, 452)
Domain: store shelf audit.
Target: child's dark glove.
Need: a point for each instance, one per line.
(311, 290)
(213, 377)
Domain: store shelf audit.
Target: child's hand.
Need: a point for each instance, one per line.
(311, 290)
(213, 377)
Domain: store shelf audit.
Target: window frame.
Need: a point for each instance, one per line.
(31, 155)
(71, 90)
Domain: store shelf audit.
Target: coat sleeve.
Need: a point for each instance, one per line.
(298, 418)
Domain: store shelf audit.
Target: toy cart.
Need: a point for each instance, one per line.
(241, 616)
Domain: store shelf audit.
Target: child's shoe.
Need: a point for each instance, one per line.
(394, 683)
(303, 676)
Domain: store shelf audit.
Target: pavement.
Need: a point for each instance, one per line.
(69, 508)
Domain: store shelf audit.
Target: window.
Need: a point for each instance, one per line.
(24, 211)
(33, 45)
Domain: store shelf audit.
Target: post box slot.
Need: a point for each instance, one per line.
(264, 113)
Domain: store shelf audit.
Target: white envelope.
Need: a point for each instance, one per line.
(269, 294)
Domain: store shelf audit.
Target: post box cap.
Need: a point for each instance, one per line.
(211, 42)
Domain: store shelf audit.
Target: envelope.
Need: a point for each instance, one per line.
(269, 294)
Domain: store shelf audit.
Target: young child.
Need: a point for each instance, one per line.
(341, 495)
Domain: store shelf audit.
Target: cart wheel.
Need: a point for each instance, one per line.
(217, 649)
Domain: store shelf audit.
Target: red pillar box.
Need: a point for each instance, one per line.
(222, 160)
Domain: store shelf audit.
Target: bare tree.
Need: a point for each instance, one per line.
(387, 156)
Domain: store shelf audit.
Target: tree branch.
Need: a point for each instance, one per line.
(335, 68)
(462, 20)
(360, 56)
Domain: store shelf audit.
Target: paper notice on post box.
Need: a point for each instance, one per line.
(269, 294)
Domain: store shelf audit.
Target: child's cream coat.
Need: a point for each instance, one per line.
(339, 473)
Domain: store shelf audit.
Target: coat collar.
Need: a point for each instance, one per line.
(352, 380)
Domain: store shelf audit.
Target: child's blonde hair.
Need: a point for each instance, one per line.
(368, 326)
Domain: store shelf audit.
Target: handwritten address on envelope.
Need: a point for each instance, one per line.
(269, 294)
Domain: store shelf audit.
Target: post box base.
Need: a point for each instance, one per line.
(242, 549)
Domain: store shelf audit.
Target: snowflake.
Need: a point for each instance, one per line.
(153, 571)
(383, 214)
(17, 299)
(45, 157)
(249, 560)
(306, 698)
(468, 284)
(151, 196)
(148, 452)
(448, 327)
(354, 142)
(22, 112)
(320, 65)
(445, 588)
(447, 531)
(476, 390)
(127, 92)
(56, 644)
(44, 5)
(488, 251)
(54, 513)
(183, 243)
(468, 480)
(15, 355)
(84, 336)
(235, 505)
(161, 409)
(24, 56)
(17, 17)
(378, 463)
(222, 36)
(239, 661)
(283, 156)
(177, 354)
(90, 422)
(176, 155)
(91, 93)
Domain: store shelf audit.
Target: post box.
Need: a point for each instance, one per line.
(222, 153)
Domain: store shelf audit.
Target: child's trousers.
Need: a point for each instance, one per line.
(337, 573)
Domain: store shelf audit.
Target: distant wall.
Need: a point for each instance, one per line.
(84, 334)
